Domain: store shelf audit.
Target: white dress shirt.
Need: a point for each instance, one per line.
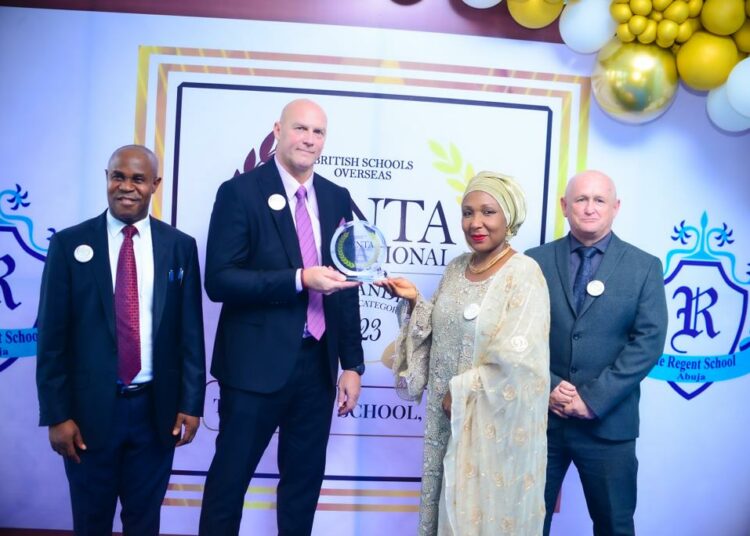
(143, 250)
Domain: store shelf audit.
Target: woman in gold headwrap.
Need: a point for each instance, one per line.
(480, 348)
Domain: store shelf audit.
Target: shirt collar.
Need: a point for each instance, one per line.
(601, 245)
(115, 226)
(291, 185)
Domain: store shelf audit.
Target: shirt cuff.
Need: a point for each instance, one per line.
(298, 280)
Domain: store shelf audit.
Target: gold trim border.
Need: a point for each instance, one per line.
(322, 506)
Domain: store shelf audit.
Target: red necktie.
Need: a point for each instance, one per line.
(126, 310)
(316, 322)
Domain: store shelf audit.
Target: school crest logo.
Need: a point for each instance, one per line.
(21, 263)
(707, 339)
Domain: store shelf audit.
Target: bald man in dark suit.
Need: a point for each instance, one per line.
(287, 322)
(608, 326)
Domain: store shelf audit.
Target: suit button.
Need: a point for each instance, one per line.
(576, 336)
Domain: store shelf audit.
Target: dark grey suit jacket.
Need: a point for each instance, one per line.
(607, 349)
(77, 348)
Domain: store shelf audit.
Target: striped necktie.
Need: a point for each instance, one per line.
(316, 322)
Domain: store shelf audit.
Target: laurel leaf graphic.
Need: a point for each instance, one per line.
(437, 150)
(444, 167)
(456, 185)
(469, 173)
(266, 148)
(249, 161)
(456, 157)
(451, 163)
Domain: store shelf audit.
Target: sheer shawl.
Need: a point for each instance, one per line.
(495, 464)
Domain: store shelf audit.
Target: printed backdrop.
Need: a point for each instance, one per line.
(411, 117)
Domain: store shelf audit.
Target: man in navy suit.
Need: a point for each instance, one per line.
(115, 419)
(608, 325)
(287, 321)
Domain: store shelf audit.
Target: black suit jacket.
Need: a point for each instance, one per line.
(252, 256)
(612, 344)
(77, 346)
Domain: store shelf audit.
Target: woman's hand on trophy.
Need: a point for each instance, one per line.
(400, 287)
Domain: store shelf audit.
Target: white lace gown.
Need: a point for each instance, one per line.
(483, 471)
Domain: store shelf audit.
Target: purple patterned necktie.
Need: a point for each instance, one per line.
(126, 310)
(316, 322)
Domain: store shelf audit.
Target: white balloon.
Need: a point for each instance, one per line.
(738, 87)
(586, 25)
(722, 114)
(481, 4)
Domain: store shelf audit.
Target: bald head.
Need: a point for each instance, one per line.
(592, 175)
(300, 135)
(590, 204)
(301, 106)
(145, 151)
(131, 181)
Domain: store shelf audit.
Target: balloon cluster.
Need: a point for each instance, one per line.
(664, 22)
(645, 47)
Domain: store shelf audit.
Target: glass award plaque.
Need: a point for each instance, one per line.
(358, 250)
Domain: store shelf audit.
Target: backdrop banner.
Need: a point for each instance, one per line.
(411, 117)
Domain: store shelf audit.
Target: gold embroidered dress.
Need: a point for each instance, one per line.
(484, 469)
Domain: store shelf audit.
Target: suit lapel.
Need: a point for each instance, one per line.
(102, 269)
(610, 261)
(270, 184)
(327, 217)
(562, 260)
(162, 247)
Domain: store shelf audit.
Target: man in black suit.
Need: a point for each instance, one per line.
(608, 325)
(120, 358)
(287, 321)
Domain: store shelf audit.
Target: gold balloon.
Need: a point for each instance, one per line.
(632, 82)
(723, 17)
(534, 13)
(742, 37)
(624, 34)
(694, 7)
(640, 7)
(678, 12)
(637, 24)
(620, 12)
(649, 34)
(667, 30)
(705, 60)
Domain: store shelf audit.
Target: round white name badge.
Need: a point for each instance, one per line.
(595, 288)
(83, 253)
(277, 202)
(471, 311)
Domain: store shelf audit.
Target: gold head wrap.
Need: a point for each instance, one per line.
(506, 192)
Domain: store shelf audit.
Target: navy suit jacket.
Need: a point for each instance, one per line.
(77, 346)
(612, 344)
(252, 255)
